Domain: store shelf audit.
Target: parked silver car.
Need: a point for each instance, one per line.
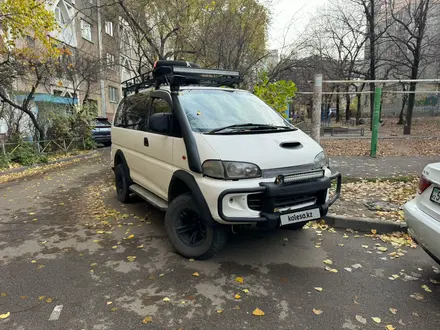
(422, 214)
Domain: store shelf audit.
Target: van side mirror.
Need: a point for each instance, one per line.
(160, 123)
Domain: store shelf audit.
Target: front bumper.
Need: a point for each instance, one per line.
(102, 138)
(271, 193)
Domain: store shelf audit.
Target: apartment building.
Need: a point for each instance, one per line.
(98, 42)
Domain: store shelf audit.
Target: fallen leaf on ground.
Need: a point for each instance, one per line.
(245, 290)
(160, 275)
(382, 248)
(4, 316)
(258, 312)
(348, 269)
(393, 310)
(317, 311)
(365, 246)
(130, 236)
(390, 327)
(345, 236)
(139, 246)
(196, 274)
(361, 319)
(219, 311)
(331, 270)
(109, 302)
(131, 258)
(434, 281)
(328, 262)
(318, 288)
(166, 299)
(417, 296)
(356, 266)
(239, 279)
(191, 260)
(376, 319)
(114, 247)
(93, 264)
(94, 241)
(147, 319)
(33, 261)
(114, 309)
(237, 296)
(49, 300)
(374, 231)
(426, 288)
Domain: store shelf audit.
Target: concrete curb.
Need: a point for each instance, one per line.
(364, 224)
(58, 161)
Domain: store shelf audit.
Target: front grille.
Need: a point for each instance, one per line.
(105, 133)
(255, 201)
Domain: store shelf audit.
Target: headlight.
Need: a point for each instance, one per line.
(321, 160)
(230, 170)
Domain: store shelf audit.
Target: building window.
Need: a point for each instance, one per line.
(113, 94)
(86, 30)
(125, 64)
(109, 28)
(111, 61)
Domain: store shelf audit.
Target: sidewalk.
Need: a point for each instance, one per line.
(381, 167)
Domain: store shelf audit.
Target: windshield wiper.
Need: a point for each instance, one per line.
(251, 126)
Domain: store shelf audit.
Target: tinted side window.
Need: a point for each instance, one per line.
(133, 112)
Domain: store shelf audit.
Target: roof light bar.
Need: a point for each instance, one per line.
(179, 69)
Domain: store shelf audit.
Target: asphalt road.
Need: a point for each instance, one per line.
(64, 241)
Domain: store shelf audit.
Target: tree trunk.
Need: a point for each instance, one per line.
(372, 38)
(358, 110)
(404, 99)
(347, 106)
(409, 110)
(337, 104)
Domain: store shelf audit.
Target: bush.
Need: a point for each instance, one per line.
(26, 155)
(4, 161)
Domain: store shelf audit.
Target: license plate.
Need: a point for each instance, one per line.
(435, 196)
(301, 216)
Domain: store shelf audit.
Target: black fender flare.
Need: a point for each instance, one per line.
(194, 188)
(120, 155)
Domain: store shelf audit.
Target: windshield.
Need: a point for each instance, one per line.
(211, 109)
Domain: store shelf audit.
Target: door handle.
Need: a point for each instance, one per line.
(146, 144)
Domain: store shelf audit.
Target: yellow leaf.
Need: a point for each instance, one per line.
(345, 236)
(219, 311)
(331, 270)
(33, 261)
(376, 319)
(425, 287)
(374, 231)
(317, 288)
(139, 246)
(93, 264)
(390, 327)
(41, 297)
(237, 296)
(393, 310)
(365, 246)
(3, 294)
(196, 274)
(239, 279)
(245, 290)
(130, 236)
(258, 312)
(382, 248)
(131, 258)
(191, 260)
(160, 275)
(32, 213)
(109, 302)
(328, 262)
(166, 299)
(96, 241)
(147, 319)
(49, 300)
(114, 309)
(317, 311)
(5, 316)
(114, 247)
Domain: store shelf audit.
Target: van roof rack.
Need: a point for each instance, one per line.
(180, 73)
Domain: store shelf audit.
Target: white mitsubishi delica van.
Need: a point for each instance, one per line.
(214, 157)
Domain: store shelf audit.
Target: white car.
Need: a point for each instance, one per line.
(422, 214)
(213, 157)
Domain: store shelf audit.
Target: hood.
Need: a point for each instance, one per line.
(268, 151)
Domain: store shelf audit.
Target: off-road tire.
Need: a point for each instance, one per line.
(216, 235)
(122, 184)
